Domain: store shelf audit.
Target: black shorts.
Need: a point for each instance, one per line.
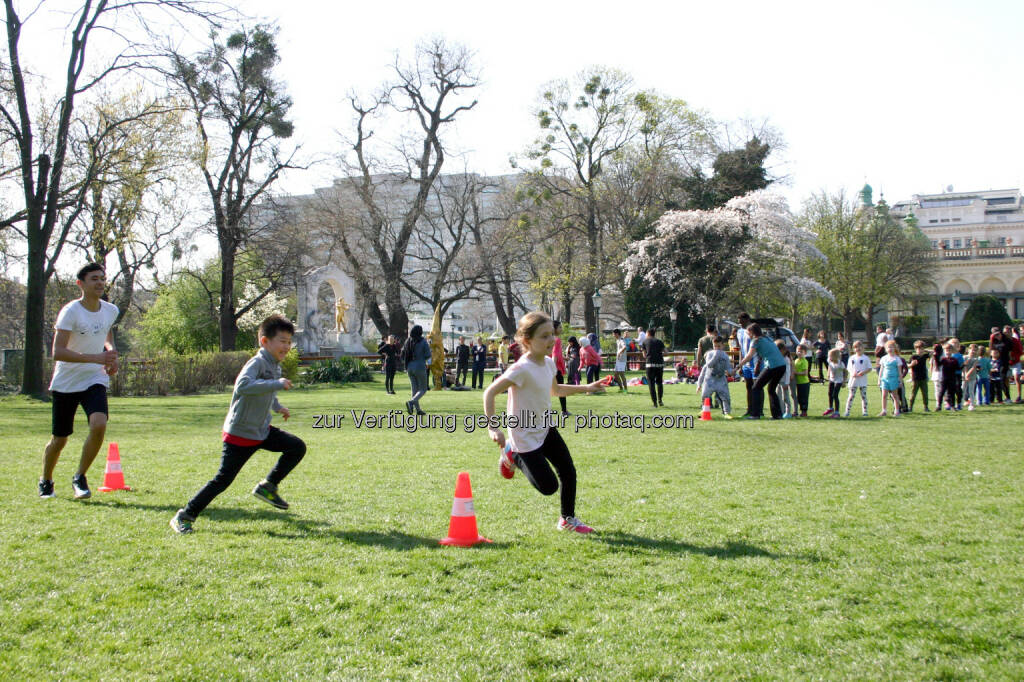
(92, 399)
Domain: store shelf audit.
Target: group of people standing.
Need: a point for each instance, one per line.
(962, 377)
(578, 361)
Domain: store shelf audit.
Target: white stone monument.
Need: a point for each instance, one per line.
(327, 332)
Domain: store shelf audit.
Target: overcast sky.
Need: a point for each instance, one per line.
(911, 96)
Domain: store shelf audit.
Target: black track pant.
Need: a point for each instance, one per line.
(234, 457)
(536, 466)
(654, 384)
(771, 379)
(389, 377)
(478, 374)
(461, 370)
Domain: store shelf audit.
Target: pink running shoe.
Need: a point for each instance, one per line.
(572, 523)
(505, 464)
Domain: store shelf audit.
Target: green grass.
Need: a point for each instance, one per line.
(863, 548)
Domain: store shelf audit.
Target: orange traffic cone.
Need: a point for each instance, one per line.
(705, 412)
(113, 479)
(462, 530)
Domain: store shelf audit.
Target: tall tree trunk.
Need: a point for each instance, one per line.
(228, 326)
(35, 307)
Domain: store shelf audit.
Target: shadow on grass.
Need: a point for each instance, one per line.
(728, 550)
(227, 519)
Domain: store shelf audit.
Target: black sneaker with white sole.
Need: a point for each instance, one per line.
(267, 492)
(81, 487)
(46, 488)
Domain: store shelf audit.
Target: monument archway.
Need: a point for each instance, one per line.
(327, 331)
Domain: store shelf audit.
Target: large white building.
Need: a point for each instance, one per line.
(978, 239)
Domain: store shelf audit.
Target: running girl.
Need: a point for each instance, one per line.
(534, 445)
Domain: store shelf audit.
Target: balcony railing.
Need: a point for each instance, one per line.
(978, 252)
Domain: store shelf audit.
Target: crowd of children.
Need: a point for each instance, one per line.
(962, 378)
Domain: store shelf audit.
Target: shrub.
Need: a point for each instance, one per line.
(337, 371)
(168, 373)
(290, 365)
(984, 313)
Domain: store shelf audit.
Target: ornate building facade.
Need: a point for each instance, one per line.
(978, 239)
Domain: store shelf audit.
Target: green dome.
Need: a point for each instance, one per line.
(865, 195)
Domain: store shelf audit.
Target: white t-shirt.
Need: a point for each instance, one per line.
(530, 394)
(88, 336)
(881, 339)
(858, 363)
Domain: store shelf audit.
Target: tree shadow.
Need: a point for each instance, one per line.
(728, 550)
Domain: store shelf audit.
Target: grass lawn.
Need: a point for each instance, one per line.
(858, 548)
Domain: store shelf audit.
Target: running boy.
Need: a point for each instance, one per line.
(534, 445)
(247, 425)
(83, 348)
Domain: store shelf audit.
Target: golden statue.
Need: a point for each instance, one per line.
(339, 316)
(436, 351)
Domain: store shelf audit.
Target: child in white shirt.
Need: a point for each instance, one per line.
(836, 379)
(858, 368)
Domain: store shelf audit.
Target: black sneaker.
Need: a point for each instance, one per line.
(81, 487)
(182, 522)
(46, 488)
(267, 492)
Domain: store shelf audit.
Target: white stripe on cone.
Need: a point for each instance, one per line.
(463, 506)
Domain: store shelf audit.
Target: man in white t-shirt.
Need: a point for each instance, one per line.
(83, 348)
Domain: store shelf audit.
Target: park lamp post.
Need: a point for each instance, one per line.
(673, 315)
(597, 310)
(956, 310)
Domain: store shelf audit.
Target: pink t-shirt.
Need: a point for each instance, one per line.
(556, 355)
(529, 399)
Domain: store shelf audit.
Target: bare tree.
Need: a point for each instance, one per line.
(394, 191)
(240, 116)
(50, 204)
(442, 267)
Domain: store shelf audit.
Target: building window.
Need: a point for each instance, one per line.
(956, 244)
(945, 243)
(956, 220)
(1002, 241)
(944, 220)
(933, 220)
(935, 243)
(1018, 307)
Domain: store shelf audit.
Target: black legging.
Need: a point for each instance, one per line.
(389, 376)
(561, 380)
(654, 377)
(833, 396)
(770, 378)
(593, 373)
(234, 457)
(535, 467)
